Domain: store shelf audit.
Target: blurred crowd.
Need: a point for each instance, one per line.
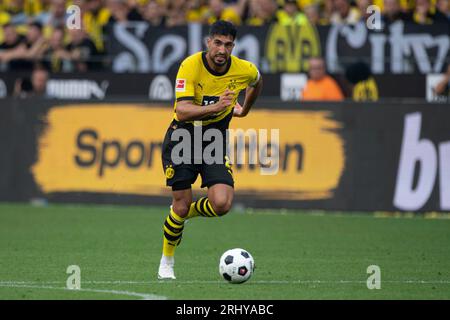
(35, 30)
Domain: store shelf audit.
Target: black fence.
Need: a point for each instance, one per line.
(160, 87)
(331, 156)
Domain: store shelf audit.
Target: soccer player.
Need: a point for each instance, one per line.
(207, 88)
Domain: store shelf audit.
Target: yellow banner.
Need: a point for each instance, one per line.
(117, 149)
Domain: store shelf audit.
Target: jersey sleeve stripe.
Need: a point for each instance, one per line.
(184, 98)
(258, 76)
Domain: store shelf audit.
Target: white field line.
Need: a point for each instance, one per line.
(144, 296)
(286, 282)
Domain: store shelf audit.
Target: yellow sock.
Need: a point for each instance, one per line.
(173, 230)
(192, 212)
(202, 207)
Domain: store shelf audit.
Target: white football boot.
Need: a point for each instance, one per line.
(165, 271)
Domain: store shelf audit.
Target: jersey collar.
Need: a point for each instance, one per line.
(215, 73)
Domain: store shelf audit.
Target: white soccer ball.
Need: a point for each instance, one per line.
(236, 265)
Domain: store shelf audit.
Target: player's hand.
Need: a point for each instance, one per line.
(237, 112)
(225, 100)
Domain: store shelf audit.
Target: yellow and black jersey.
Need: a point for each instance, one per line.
(196, 81)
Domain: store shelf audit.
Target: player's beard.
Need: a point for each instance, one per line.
(220, 64)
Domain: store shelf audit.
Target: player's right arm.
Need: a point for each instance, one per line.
(187, 110)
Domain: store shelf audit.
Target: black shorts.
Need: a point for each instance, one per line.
(182, 176)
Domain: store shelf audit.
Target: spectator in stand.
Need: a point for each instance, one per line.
(15, 10)
(360, 81)
(312, 12)
(154, 13)
(24, 55)
(443, 87)
(343, 13)
(407, 5)
(4, 20)
(57, 58)
(218, 10)
(121, 11)
(320, 86)
(95, 18)
(327, 10)
(11, 39)
(34, 87)
(392, 12)
(176, 13)
(39, 79)
(362, 6)
(423, 14)
(301, 4)
(291, 14)
(82, 52)
(196, 10)
(33, 8)
(443, 6)
(261, 12)
(55, 17)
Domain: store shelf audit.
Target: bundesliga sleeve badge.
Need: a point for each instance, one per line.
(180, 85)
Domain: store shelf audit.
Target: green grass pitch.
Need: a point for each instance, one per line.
(298, 255)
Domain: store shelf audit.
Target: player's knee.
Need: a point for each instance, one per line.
(181, 208)
(221, 205)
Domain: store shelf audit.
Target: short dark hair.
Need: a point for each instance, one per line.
(36, 24)
(223, 28)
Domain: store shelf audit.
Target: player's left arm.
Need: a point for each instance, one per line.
(251, 94)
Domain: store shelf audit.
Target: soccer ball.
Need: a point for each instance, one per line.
(236, 265)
